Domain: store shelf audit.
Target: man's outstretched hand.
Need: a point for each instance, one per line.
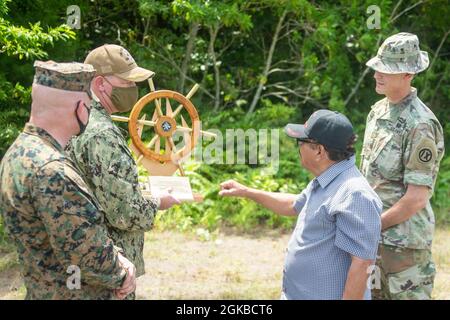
(231, 188)
(278, 202)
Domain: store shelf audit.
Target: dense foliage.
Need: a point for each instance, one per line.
(260, 63)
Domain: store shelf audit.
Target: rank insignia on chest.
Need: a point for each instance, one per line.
(400, 126)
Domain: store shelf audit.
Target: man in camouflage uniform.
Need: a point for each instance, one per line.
(403, 146)
(103, 156)
(47, 208)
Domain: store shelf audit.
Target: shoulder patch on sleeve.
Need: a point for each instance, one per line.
(424, 155)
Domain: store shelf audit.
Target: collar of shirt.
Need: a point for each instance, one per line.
(392, 111)
(98, 106)
(332, 172)
(105, 116)
(41, 133)
(406, 100)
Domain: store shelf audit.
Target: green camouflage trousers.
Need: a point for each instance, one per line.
(405, 274)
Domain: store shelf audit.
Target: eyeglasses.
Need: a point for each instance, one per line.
(303, 141)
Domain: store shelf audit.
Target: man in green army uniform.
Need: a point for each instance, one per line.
(403, 146)
(48, 210)
(103, 157)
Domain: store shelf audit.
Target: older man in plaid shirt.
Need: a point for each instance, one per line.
(338, 228)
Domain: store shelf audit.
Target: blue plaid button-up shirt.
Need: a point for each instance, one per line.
(338, 217)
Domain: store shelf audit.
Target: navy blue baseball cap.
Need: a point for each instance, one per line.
(329, 128)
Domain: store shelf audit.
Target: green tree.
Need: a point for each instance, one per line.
(213, 16)
(21, 43)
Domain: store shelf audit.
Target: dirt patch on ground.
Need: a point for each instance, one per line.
(228, 266)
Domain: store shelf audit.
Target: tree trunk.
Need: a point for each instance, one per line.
(268, 65)
(213, 30)
(193, 30)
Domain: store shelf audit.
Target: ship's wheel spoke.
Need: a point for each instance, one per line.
(189, 96)
(153, 141)
(120, 118)
(140, 127)
(157, 101)
(157, 144)
(174, 152)
(158, 108)
(169, 111)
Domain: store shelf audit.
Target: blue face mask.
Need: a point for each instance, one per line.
(80, 123)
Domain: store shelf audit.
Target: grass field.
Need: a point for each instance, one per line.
(228, 266)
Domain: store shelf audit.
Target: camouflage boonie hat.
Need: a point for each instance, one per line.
(400, 53)
(71, 76)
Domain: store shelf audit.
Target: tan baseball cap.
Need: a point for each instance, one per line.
(111, 59)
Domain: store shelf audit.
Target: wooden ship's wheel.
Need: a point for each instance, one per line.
(172, 133)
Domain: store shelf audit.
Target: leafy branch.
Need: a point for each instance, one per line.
(28, 43)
